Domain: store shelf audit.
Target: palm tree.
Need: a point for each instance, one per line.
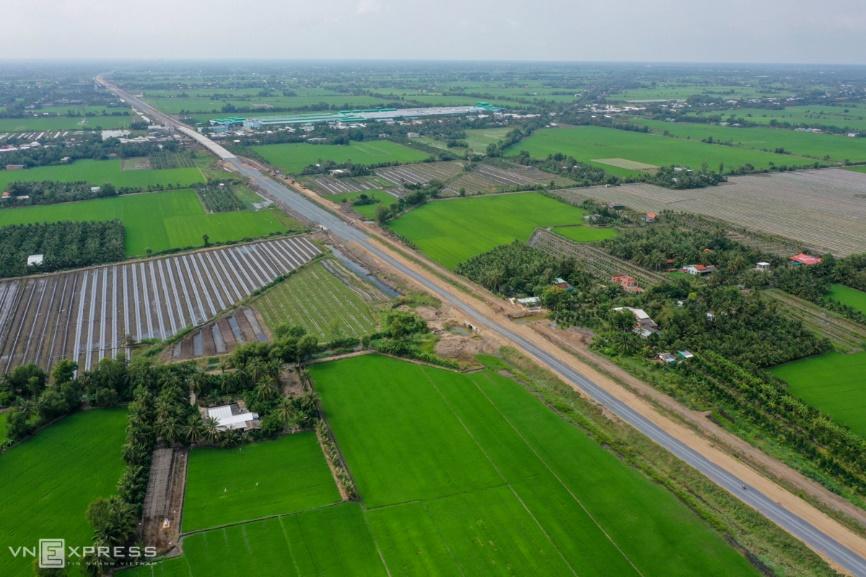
(194, 429)
(210, 430)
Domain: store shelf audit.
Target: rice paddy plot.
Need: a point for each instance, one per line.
(159, 221)
(832, 383)
(820, 147)
(479, 138)
(50, 479)
(63, 122)
(452, 231)
(227, 486)
(846, 295)
(328, 542)
(850, 116)
(292, 158)
(99, 172)
(326, 299)
(468, 473)
(368, 211)
(589, 143)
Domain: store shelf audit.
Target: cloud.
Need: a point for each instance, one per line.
(365, 7)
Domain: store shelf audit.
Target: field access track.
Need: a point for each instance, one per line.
(91, 314)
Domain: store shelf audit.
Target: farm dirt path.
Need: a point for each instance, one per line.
(721, 455)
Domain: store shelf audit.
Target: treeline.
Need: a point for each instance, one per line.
(63, 244)
(87, 146)
(53, 192)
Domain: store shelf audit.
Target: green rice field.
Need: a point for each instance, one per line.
(368, 211)
(467, 474)
(50, 479)
(461, 474)
(332, 541)
(159, 221)
(324, 304)
(829, 147)
(227, 486)
(846, 295)
(452, 231)
(591, 144)
(683, 91)
(833, 383)
(479, 138)
(849, 116)
(63, 122)
(99, 172)
(292, 158)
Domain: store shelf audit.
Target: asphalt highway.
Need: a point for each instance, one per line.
(296, 202)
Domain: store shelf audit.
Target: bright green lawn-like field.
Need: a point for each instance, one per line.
(368, 211)
(479, 138)
(226, 486)
(294, 157)
(590, 143)
(846, 295)
(452, 231)
(99, 172)
(317, 300)
(4, 427)
(49, 480)
(42, 123)
(468, 474)
(159, 221)
(329, 542)
(817, 146)
(833, 383)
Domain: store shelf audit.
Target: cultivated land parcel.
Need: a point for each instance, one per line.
(820, 147)
(49, 480)
(258, 480)
(159, 221)
(458, 475)
(832, 383)
(592, 143)
(292, 158)
(99, 172)
(452, 231)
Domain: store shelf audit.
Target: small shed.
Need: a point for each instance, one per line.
(762, 266)
(35, 260)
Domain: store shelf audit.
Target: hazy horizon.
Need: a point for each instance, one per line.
(665, 31)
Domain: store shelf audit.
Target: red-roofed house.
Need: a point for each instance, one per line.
(627, 283)
(805, 259)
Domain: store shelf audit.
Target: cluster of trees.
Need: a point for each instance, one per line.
(518, 270)
(744, 327)
(63, 244)
(219, 198)
(84, 146)
(677, 242)
(583, 174)
(418, 194)
(768, 405)
(680, 178)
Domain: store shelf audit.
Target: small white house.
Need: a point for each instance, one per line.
(35, 259)
(762, 266)
(232, 417)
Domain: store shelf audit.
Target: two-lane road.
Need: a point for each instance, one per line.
(826, 545)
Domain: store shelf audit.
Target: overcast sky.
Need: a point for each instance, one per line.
(829, 31)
